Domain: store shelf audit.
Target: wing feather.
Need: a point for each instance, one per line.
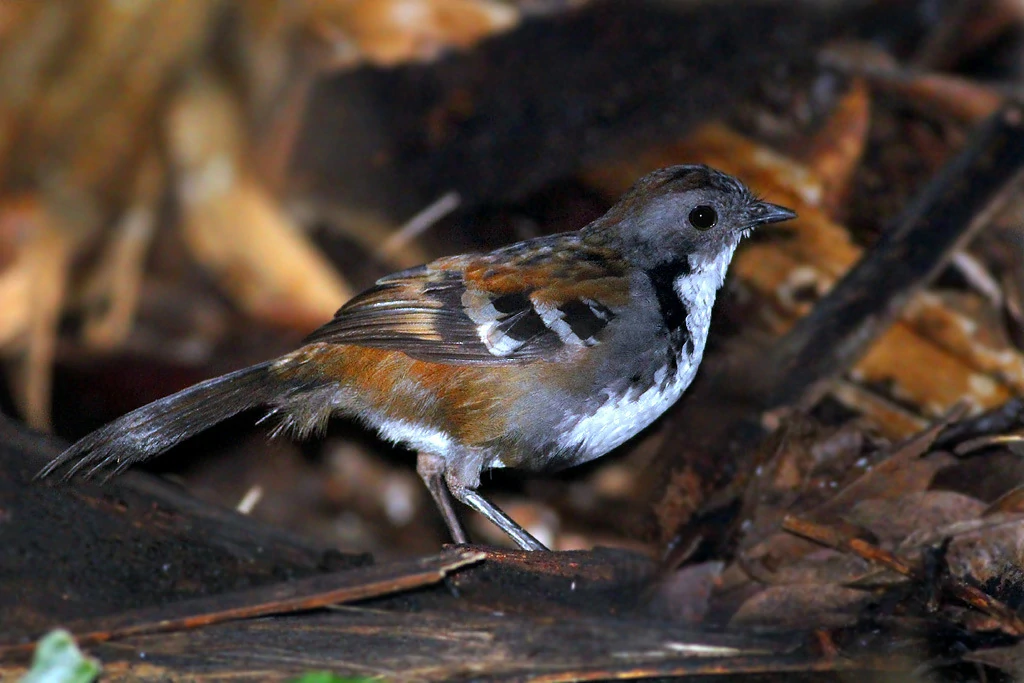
(486, 309)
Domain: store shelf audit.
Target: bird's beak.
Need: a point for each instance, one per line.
(761, 213)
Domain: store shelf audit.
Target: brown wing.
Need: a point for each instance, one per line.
(518, 304)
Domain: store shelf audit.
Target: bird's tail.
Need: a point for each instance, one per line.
(148, 431)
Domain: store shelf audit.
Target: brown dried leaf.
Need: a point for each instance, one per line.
(905, 471)
(982, 549)
(879, 529)
(766, 550)
(822, 566)
(683, 597)
(111, 296)
(389, 32)
(1009, 659)
(137, 48)
(986, 479)
(1010, 502)
(233, 226)
(887, 416)
(32, 291)
(801, 466)
(893, 520)
(963, 98)
(837, 148)
(794, 606)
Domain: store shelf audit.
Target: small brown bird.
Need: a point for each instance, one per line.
(538, 356)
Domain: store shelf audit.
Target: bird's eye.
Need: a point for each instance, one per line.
(703, 217)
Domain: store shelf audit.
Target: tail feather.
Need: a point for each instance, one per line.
(148, 431)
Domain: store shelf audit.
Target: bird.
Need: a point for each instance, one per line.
(537, 356)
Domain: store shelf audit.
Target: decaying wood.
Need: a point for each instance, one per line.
(133, 543)
(299, 595)
(432, 646)
(517, 615)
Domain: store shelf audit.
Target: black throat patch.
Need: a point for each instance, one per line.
(673, 310)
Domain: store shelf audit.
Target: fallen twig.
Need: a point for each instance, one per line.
(294, 596)
(830, 537)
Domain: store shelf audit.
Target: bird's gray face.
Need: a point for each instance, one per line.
(689, 211)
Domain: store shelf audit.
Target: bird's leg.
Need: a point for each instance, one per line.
(431, 469)
(470, 497)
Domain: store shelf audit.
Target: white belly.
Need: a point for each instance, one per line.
(623, 416)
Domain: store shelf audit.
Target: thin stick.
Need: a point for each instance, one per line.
(419, 224)
(955, 587)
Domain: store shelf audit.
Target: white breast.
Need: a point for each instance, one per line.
(623, 415)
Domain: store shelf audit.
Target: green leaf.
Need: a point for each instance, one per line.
(328, 677)
(58, 660)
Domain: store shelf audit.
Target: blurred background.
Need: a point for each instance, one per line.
(189, 187)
